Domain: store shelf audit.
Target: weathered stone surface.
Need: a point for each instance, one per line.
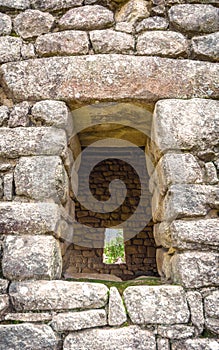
(33, 23)
(28, 51)
(4, 304)
(196, 344)
(212, 325)
(152, 23)
(132, 338)
(32, 141)
(32, 182)
(110, 41)
(162, 43)
(4, 115)
(211, 173)
(69, 42)
(8, 186)
(195, 234)
(125, 27)
(15, 4)
(54, 5)
(157, 304)
(53, 113)
(133, 11)
(3, 286)
(5, 24)
(1, 188)
(70, 78)
(173, 168)
(73, 321)
(19, 115)
(163, 344)
(57, 295)
(31, 257)
(27, 337)
(87, 18)
(211, 303)
(195, 18)
(206, 46)
(117, 313)
(195, 269)
(175, 331)
(195, 302)
(185, 124)
(29, 317)
(10, 49)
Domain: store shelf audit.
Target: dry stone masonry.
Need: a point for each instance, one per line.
(75, 72)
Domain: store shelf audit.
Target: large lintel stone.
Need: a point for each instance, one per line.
(111, 77)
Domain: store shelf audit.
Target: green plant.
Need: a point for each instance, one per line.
(114, 250)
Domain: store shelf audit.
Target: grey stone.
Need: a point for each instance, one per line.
(29, 317)
(54, 5)
(133, 11)
(87, 18)
(3, 286)
(194, 299)
(32, 182)
(57, 295)
(195, 269)
(69, 42)
(163, 344)
(212, 325)
(195, 234)
(28, 51)
(8, 186)
(125, 27)
(4, 304)
(32, 23)
(4, 115)
(206, 46)
(110, 41)
(53, 113)
(175, 331)
(132, 338)
(31, 257)
(210, 304)
(196, 344)
(152, 23)
(162, 43)
(5, 24)
(32, 141)
(117, 313)
(197, 18)
(55, 77)
(185, 124)
(10, 49)
(27, 337)
(156, 304)
(19, 115)
(14, 4)
(211, 173)
(73, 321)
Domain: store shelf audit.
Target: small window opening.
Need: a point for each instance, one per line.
(114, 249)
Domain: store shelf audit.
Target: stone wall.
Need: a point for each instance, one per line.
(57, 56)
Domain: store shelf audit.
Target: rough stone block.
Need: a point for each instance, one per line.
(152, 23)
(176, 331)
(110, 41)
(31, 257)
(206, 46)
(163, 344)
(14, 4)
(57, 295)
(196, 344)
(27, 337)
(132, 338)
(116, 313)
(69, 42)
(87, 18)
(5, 24)
(185, 125)
(32, 23)
(32, 141)
(4, 115)
(70, 78)
(19, 115)
(195, 302)
(196, 234)
(54, 5)
(28, 51)
(53, 113)
(162, 43)
(211, 173)
(4, 304)
(10, 49)
(198, 18)
(29, 317)
(195, 269)
(3, 286)
(74, 321)
(158, 304)
(133, 11)
(8, 186)
(210, 304)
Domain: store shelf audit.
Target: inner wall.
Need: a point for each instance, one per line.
(140, 249)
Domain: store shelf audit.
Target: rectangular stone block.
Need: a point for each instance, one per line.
(176, 331)
(126, 338)
(196, 344)
(111, 76)
(57, 295)
(157, 304)
(32, 141)
(195, 269)
(31, 257)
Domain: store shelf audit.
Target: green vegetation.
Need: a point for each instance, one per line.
(114, 251)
